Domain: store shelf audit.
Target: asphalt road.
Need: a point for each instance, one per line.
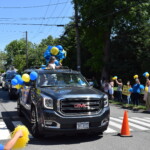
(139, 123)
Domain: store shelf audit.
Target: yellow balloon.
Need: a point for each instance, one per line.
(25, 77)
(135, 76)
(147, 75)
(21, 142)
(54, 50)
(18, 86)
(146, 89)
(61, 60)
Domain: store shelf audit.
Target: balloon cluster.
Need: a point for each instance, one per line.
(135, 76)
(21, 142)
(115, 77)
(56, 51)
(146, 74)
(18, 80)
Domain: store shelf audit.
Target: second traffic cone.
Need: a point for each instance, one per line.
(125, 131)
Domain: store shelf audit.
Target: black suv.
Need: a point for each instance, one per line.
(61, 101)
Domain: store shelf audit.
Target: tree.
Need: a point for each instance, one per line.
(3, 58)
(131, 42)
(101, 20)
(19, 62)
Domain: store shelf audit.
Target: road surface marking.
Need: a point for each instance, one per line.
(4, 132)
(130, 124)
(145, 120)
(109, 130)
(116, 125)
(139, 122)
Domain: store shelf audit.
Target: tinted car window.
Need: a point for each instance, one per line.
(61, 79)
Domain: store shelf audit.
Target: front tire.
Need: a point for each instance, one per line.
(34, 124)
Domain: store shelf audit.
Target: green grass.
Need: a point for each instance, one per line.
(127, 105)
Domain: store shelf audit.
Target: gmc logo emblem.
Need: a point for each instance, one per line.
(80, 106)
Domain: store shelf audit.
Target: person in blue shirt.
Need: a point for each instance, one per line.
(9, 145)
(137, 87)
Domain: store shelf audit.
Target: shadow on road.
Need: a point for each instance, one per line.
(10, 116)
(65, 139)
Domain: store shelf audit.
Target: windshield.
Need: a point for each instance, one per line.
(61, 79)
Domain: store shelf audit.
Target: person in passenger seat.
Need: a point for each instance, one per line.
(52, 64)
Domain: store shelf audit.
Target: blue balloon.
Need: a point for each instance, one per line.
(61, 55)
(47, 53)
(142, 87)
(14, 82)
(130, 90)
(57, 63)
(33, 75)
(17, 76)
(20, 81)
(43, 66)
(81, 82)
(144, 74)
(60, 47)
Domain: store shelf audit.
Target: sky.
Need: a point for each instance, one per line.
(12, 12)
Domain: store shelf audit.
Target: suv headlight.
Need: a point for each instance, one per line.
(105, 101)
(48, 102)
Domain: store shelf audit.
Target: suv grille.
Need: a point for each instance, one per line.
(81, 106)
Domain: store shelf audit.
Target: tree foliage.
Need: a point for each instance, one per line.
(114, 40)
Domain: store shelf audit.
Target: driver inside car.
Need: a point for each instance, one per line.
(43, 80)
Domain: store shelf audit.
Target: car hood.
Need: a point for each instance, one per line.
(61, 92)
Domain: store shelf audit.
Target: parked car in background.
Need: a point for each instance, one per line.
(1, 80)
(7, 77)
(4, 86)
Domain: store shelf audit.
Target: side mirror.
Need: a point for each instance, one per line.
(91, 83)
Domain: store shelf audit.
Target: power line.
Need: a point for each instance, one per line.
(63, 18)
(17, 31)
(55, 8)
(44, 15)
(35, 36)
(60, 14)
(61, 25)
(36, 18)
(32, 6)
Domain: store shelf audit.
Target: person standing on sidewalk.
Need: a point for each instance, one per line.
(119, 89)
(129, 93)
(111, 89)
(148, 95)
(136, 92)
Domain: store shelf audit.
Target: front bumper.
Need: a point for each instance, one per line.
(63, 125)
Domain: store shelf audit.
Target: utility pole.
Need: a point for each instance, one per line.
(77, 35)
(26, 49)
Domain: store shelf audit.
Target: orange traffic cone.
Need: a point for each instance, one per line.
(125, 131)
